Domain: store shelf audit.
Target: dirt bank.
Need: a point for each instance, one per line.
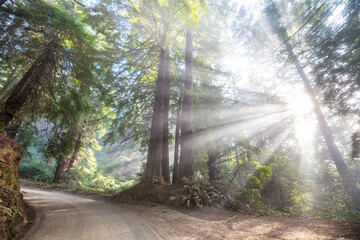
(12, 209)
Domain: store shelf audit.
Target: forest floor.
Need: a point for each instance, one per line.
(211, 223)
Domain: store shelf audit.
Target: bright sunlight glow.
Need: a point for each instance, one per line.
(300, 104)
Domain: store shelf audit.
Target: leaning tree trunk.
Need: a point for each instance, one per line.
(26, 85)
(186, 165)
(165, 148)
(153, 164)
(177, 144)
(347, 179)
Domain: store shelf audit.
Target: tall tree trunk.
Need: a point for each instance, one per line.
(186, 165)
(165, 153)
(26, 85)
(154, 158)
(347, 179)
(177, 144)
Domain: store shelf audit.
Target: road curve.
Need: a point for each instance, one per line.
(66, 217)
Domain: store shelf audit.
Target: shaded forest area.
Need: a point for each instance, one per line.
(252, 106)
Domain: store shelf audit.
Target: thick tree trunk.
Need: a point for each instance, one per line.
(177, 144)
(154, 158)
(186, 165)
(61, 167)
(72, 140)
(165, 153)
(26, 85)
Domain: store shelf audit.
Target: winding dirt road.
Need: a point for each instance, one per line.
(65, 216)
(69, 217)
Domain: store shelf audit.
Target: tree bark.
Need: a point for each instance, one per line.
(61, 167)
(177, 144)
(74, 157)
(165, 148)
(154, 158)
(212, 165)
(26, 85)
(186, 165)
(63, 159)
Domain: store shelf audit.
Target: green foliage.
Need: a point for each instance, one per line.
(81, 178)
(9, 211)
(34, 165)
(36, 171)
(252, 193)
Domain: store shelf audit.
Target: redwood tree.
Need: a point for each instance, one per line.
(165, 147)
(177, 144)
(154, 158)
(186, 165)
(24, 88)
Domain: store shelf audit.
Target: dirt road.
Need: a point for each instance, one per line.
(64, 216)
